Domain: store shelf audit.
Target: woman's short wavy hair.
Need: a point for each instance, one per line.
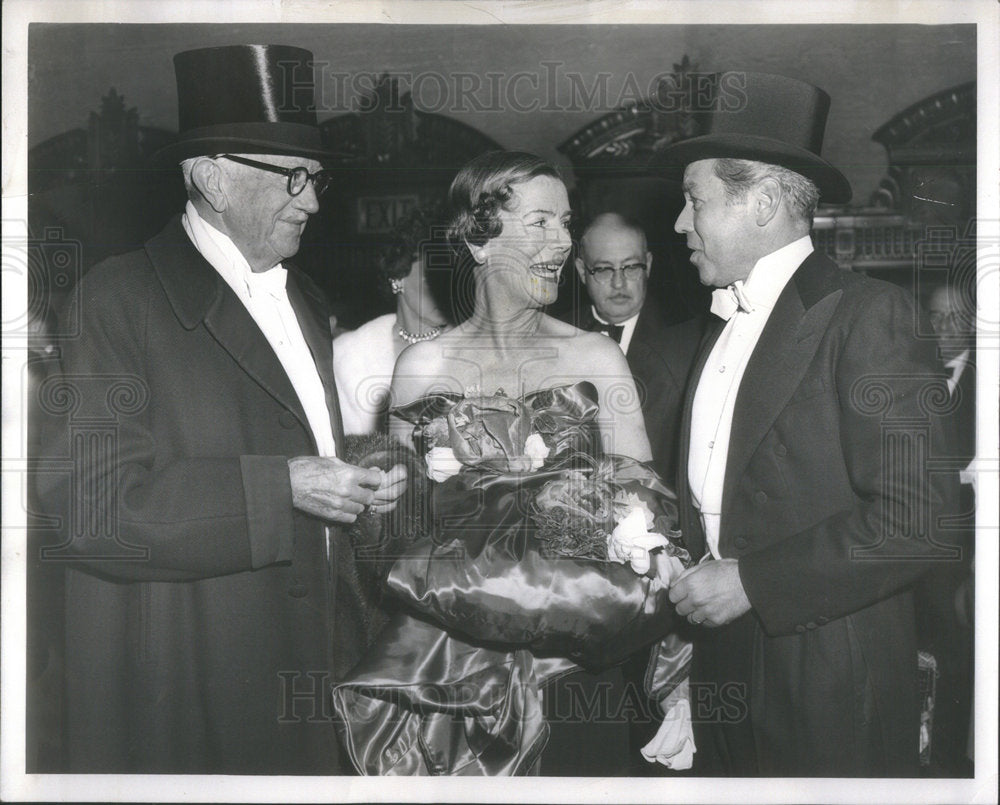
(483, 187)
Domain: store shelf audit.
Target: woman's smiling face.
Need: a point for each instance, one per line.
(528, 255)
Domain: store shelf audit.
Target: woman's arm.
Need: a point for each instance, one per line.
(415, 373)
(623, 430)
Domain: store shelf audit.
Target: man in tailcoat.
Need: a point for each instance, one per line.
(944, 596)
(804, 487)
(210, 597)
(614, 265)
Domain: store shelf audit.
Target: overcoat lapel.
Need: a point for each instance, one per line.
(776, 368)
(314, 321)
(198, 294)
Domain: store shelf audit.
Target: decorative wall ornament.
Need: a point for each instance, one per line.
(110, 148)
(94, 187)
(390, 134)
(932, 157)
(624, 140)
(922, 215)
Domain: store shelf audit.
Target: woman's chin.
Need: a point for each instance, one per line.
(544, 290)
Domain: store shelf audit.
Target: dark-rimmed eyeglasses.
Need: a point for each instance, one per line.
(298, 177)
(603, 274)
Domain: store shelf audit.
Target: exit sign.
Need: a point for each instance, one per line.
(380, 214)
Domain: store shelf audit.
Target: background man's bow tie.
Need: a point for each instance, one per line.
(613, 330)
(726, 301)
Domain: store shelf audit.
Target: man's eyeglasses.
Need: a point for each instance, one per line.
(603, 274)
(298, 177)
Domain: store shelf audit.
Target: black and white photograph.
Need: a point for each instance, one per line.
(601, 397)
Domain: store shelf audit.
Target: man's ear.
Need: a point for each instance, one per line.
(206, 176)
(649, 262)
(767, 198)
(580, 270)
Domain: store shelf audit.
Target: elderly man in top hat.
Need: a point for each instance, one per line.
(210, 596)
(803, 480)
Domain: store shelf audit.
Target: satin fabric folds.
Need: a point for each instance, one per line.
(453, 684)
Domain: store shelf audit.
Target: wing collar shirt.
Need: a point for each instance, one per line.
(715, 396)
(956, 366)
(628, 328)
(263, 295)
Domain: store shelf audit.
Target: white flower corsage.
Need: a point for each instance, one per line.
(442, 463)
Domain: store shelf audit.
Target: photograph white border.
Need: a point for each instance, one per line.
(16, 786)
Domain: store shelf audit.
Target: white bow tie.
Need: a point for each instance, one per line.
(726, 301)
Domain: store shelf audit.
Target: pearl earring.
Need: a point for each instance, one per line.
(396, 285)
(479, 255)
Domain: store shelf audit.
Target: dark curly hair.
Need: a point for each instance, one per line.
(483, 187)
(420, 234)
(420, 229)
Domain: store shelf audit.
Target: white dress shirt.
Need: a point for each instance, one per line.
(715, 395)
(956, 366)
(627, 332)
(263, 295)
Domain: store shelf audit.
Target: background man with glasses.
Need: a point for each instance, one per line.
(211, 598)
(614, 265)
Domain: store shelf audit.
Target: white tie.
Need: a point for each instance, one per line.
(727, 301)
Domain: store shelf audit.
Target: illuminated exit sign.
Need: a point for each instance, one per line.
(380, 214)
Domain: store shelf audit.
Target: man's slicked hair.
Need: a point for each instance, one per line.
(739, 175)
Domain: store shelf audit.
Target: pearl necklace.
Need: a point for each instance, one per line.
(413, 338)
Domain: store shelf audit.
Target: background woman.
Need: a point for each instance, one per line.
(413, 269)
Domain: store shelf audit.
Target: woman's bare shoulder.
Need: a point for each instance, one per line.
(596, 349)
(557, 328)
(425, 367)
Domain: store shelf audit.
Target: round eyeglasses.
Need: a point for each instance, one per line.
(298, 177)
(631, 272)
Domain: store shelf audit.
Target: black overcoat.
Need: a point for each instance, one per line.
(204, 620)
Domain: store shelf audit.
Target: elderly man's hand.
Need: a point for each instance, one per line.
(711, 593)
(333, 490)
(389, 491)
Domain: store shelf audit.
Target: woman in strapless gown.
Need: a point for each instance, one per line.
(483, 674)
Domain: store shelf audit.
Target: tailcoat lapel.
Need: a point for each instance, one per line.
(776, 368)
(694, 536)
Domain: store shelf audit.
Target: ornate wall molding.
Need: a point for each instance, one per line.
(390, 137)
(622, 142)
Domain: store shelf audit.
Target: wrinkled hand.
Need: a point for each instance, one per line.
(711, 593)
(331, 489)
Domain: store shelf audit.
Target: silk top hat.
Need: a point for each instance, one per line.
(246, 99)
(766, 118)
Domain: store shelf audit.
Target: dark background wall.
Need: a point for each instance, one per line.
(871, 71)
(527, 87)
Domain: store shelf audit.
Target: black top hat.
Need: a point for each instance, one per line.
(250, 99)
(766, 118)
